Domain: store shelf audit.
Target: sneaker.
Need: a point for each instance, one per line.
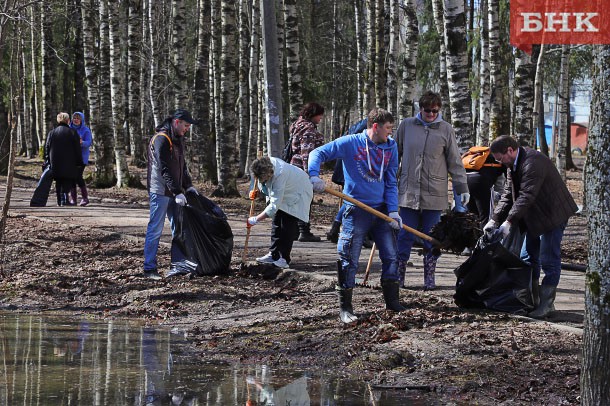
(267, 259)
(281, 263)
(154, 275)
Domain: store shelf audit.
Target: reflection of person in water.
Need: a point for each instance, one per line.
(294, 394)
(76, 346)
(155, 388)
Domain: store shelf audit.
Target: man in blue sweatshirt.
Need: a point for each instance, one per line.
(370, 163)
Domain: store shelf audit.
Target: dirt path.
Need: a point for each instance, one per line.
(88, 261)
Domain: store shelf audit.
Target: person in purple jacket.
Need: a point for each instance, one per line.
(370, 162)
(78, 123)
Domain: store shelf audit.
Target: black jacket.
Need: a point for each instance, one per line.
(63, 152)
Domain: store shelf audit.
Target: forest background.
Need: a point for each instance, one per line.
(128, 64)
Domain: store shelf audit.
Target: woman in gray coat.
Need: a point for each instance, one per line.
(428, 152)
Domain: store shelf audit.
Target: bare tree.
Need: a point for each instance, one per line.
(409, 60)
(524, 98)
(134, 60)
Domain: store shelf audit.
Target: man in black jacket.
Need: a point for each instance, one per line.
(168, 180)
(535, 199)
(62, 151)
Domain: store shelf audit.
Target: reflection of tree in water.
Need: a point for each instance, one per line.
(294, 393)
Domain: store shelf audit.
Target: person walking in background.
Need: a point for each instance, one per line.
(62, 151)
(428, 152)
(305, 138)
(168, 180)
(370, 162)
(78, 124)
(289, 195)
(536, 200)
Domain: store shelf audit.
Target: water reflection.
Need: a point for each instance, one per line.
(58, 361)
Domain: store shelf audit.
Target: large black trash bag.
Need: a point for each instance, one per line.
(203, 241)
(494, 278)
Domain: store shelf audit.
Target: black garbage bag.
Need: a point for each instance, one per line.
(203, 240)
(41, 193)
(494, 278)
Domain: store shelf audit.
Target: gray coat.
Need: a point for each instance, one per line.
(535, 197)
(428, 154)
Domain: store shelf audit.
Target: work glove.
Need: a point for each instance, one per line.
(397, 223)
(489, 227)
(318, 184)
(252, 221)
(181, 199)
(464, 199)
(192, 189)
(505, 229)
(253, 194)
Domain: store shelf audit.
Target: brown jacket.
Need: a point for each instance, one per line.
(535, 197)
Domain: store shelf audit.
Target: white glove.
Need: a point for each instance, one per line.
(192, 189)
(318, 184)
(505, 228)
(489, 227)
(181, 199)
(252, 221)
(397, 223)
(465, 198)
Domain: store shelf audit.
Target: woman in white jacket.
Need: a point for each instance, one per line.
(289, 194)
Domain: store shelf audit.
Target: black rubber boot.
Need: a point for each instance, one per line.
(368, 242)
(333, 233)
(547, 300)
(305, 233)
(346, 311)
(536, 293)
(391, 295)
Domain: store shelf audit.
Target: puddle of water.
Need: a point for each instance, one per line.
(59, 361)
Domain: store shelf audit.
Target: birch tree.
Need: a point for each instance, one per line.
(457, 72)
(134, 58)
(393, 50)
(178, 54)
(484, 99)
(437, 12)
(293, 63)
(595, 366)
(117, 95)
(225, 135)
(371, 57)
(524, 98)
(243, 101)
(253, 81)
(203, 146)
(409, 60)
(564, 111)
(496, 85)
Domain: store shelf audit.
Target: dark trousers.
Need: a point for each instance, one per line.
(480, 195)
(283, 230)
(305, 228)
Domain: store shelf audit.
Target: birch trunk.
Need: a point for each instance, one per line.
(564, 111)
(360, 64)
(457, 72)
(253, 80)
(295, 81)
(48, 85)
(524, 98)
(595, 374)
(391, 83)
(134, 58)
(437, 11)
(117, 73)
(243, 105)
(100, 130)
(37, 123)
(79, 61)
(495, 78)
(203, 147)
(379, 75)
(484, 97)
(178, 54)
(369, 79)
(227, 185)
(409, 65)
(156, 63)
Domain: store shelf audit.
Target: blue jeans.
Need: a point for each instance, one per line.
(160, 206)
(413, 218)
(357, 223)
(544, 252)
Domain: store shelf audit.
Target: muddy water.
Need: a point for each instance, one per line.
(62, 361)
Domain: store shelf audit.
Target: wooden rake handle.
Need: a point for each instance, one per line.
(245, 251)
(381, 215)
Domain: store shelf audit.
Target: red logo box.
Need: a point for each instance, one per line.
(559, 22)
